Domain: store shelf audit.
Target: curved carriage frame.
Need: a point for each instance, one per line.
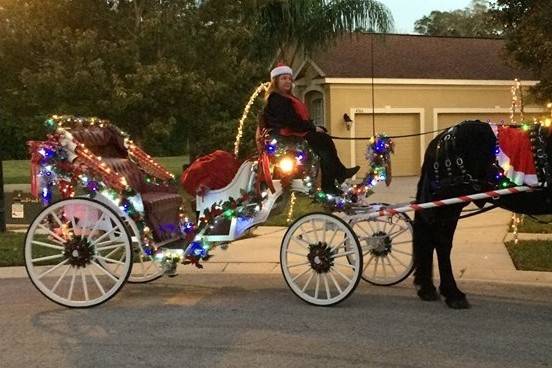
(81, 250)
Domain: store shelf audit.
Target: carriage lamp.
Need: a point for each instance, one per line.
(286, 165)
(348, 121)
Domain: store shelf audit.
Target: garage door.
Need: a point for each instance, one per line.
(406, 160)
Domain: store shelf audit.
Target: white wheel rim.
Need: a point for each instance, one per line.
(327, 287)
(144, 268)
(387, 248)
(108, 246)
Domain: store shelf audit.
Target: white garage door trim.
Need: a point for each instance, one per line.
(387, 110)
(477, 110)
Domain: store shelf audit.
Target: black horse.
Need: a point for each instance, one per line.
(459, 161)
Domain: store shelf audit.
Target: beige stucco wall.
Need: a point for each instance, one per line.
(433, 106)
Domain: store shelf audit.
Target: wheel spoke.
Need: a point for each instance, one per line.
(317, 287)
(334, 248)
(308, 280)
(52, 269)
(60, 240)
(343, 254)
(47, 258)
(70, 294)
(104, 271)
(391, 265)
(342, 275)
(97, 282)
(109, 260)
(323, 231)
(60, 278)
(301, 242)
(367, 263)
(314, 230)
(375, 267)
(48, 245)
(364, 230)
(100, 220)
(118, 245)
(335, 283)
(398, 260)
(333, 236)
(73, 224)
(56, 218)
(84, 286)
(384, 268)
(304, 235)
(105, 235)
(394, 235)
(326, 286)
(301, 274)
(402, 252)
(296, 253)
(298, 264)
(345, 265)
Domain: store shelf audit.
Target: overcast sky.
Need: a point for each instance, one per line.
(406, 12)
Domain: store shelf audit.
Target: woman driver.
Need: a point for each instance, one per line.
(286, 115)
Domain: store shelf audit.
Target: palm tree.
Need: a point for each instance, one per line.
(303, 26)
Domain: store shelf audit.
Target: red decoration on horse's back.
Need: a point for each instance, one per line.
(516, 157)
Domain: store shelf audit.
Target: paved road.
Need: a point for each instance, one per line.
(224, 320)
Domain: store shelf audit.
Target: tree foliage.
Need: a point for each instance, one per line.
(529, 39)
(166, 71)
(474, 21)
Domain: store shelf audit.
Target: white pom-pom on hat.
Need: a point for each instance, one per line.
(280, 69)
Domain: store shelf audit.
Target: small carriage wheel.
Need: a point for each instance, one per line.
(321, 259)
(144, 268)
(387, 248)
(78, 253)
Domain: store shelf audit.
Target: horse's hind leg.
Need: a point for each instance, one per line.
(423, 259)
(443, 237)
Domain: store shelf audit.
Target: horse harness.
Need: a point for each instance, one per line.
(449, 169)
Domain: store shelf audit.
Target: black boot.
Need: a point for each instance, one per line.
(348, 173)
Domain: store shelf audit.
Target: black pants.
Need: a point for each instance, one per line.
(331, 166)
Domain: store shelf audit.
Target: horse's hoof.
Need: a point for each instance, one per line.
(458, 303)
(427, 293)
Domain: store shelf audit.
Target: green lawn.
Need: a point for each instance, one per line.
(531, 255)
(531, 226)
(11, 249)
(18, 171)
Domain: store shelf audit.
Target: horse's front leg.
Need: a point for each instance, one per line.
(443, 238)
(423, 258)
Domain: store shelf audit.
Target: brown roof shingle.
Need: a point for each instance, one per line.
(421, 57)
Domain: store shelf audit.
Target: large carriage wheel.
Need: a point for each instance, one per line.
(78, 253)
(387, 248)
(145, 268)
(321, 259)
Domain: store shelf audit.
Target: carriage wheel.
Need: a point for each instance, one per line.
(78, 253)
(314, 259)
(387, 248)
(145, 268)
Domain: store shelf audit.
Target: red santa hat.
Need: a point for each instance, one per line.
(280, 69)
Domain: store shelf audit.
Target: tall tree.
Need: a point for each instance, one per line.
(529, 39)
(474, 21)
(293, 27)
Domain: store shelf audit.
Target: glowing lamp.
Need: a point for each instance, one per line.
(286, 165)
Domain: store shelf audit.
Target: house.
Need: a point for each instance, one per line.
(420, 84)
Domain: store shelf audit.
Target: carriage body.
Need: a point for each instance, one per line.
(120, 218)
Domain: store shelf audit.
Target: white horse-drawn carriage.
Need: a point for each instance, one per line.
(120, 219)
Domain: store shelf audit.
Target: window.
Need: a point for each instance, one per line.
(315, 104)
